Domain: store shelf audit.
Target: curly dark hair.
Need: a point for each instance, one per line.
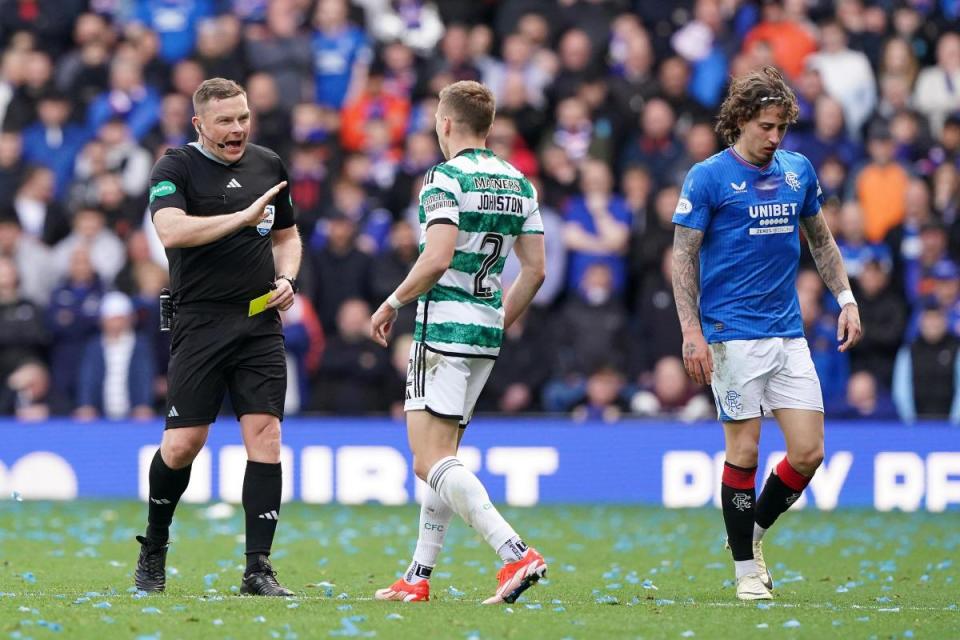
(751, 93)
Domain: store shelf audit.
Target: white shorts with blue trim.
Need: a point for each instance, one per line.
(753, 377)
(446, 386)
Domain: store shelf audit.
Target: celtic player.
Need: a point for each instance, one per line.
(474, 208)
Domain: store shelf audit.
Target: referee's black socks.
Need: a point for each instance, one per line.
(737, 495)
(262, 487)
(166, 487)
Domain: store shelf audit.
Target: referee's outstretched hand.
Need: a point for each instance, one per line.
(697, 358)
(253, 214)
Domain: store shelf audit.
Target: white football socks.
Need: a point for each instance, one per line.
(758, 532)
(745, 567)
(435, 518)
(464, 493)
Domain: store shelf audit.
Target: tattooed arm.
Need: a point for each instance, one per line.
(826, 255)
(697, 359)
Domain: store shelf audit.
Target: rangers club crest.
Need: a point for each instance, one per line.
(742, 501)
(793, 180)
(732, 400)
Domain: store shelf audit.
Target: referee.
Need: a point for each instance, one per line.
(223, 211)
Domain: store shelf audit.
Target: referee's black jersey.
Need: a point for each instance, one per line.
(238, 267)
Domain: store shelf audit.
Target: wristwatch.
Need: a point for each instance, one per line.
(292, 281)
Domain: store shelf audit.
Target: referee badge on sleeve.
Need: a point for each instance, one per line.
(263, 228)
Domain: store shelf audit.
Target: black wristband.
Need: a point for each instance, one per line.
(292, 281)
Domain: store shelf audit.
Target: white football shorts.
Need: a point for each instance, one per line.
(753, 377)
(443, 385)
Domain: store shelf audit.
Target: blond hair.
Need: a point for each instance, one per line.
(469, 103)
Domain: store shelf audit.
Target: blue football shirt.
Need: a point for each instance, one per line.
(750, 218)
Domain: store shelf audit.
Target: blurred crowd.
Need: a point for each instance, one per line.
(605, 104)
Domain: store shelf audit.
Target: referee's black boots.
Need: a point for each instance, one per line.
(261, 580)
(151, 573)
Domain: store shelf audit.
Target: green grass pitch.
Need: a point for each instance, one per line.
(615, 572)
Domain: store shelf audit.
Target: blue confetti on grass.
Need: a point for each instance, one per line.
(218, 622)
(791, 624)
(28, 577)
(663, 602)
(345, 607)
(102, 605)
(454, 592)
(150, 610)
(763, 625)
(559, 609)
(687, 634)
(534, 606)
(607, 600)
(394, 616)
(260, 619)
(764, 605)
(648, 584)
(106, 619)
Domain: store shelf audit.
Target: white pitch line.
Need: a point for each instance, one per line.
(232, 597)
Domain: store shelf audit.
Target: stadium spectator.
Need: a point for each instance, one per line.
(847, 76)
(273, 125)
(904, 239)
(878, 299)
(11, 164)
(23, 337)
(854, 247)
(73, 318)
(866, 399)
(658, 333)
(175, 21)
(936, 93)
(53, 141)
(280, 50)
(820, 329)
(515, 383)
(671, 394)
(83, 72)
(173, 128)
(575, 133)
(26, 253)
(926, 382)
(415, 23)
(556, 257)
(701, 43)
(370, 105)
(655, 148)
(340, 270)
(36, 81)
(40, 215)
(881, 184)
(126, 158)
(26, 394)
(218, 48)
(388, 269)
(116, 370)
(354, 370)
(341, 54)
(597, 230)
(602, 397)
(828, 139)
(592, 325)
(304, 342)
(790, 42)
(127, 97)
(107, 253)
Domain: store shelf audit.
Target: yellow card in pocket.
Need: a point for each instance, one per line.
(259, 304)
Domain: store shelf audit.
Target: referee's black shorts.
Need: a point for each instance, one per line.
(216, 348)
